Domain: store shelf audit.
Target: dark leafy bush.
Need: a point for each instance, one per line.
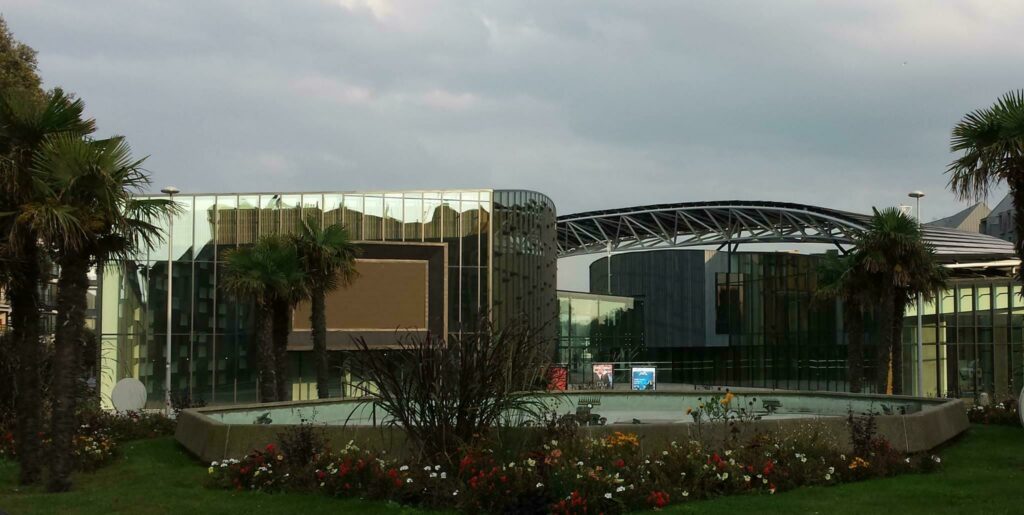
(128, 425)
(612, 474)
(1003, 413)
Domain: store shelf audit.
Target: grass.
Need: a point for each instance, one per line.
(982, 473)
(159, 477)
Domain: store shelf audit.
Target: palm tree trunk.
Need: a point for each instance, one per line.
(282, 326)
(1016, 183)
(25, 304)
(883, 351)
(899, 308)
(855, 346)
(262, 334)
(72, 286)
(318, 323)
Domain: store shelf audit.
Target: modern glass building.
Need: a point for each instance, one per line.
(973, 339)
(598, 329)
(481, 253)
(731, 318)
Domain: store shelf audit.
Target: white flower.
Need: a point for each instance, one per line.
(437, 467)
(540, 485)
(906, 460)
(620, 489)
(579, 463)
(937, 459)
(664, 453)
(828, 477)
(728, 452)
(746, 478)
(403, 468)
(531, 462)
(554, 443)
(842, 457)
(408, 480)
(444, 475)
(213, 464)
(686, 493)
(803, 460)
(455, 493)
(427, 468)
(433, 474)
(608, 495)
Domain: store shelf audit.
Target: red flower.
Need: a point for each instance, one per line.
(768, 468)
(658, 499)
(620, 463)
(269, 449)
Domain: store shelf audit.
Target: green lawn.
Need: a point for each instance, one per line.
(983, 473)
(159, 477)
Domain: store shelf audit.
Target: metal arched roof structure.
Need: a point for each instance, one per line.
(698, 224)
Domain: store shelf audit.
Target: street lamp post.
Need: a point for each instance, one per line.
(916, 195)
(170, 191)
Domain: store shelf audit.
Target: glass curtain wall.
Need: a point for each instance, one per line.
(971, 338)
(598, 329)
(210, 358)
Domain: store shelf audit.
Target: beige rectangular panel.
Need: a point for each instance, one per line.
(389, 294)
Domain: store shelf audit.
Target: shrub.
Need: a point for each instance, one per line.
(1003, 413)
(449, 393)
(128, 425)
(587, 475)
(92, 447)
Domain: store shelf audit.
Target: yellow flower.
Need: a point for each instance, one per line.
(689, 410)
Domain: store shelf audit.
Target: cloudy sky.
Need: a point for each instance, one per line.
(598, 104)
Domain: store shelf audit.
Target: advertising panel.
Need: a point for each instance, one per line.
(643, 378)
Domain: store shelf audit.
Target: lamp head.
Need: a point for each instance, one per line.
(170, 190)
(915, 194)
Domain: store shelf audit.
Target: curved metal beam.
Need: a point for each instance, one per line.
(694, 224)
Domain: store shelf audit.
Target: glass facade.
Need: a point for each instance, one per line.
(732, 318)
(598, 329)
(210, 356)
(972, 338)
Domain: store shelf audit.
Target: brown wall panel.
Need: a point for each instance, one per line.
(388, 294)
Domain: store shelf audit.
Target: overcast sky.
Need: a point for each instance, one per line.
(846, 104)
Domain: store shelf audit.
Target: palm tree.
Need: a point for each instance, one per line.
(26, 122)
(291, 290)
(89, 218)
(261, 273)
(328, 256)
(897, 265)
(840, 278)
(992, 144)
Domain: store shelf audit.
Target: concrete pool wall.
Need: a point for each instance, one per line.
(215, 433)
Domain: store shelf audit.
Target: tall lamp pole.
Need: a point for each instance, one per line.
(170, 191)
(916, 195)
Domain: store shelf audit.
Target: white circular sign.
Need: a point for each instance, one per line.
(1020, 406)
(129, 395)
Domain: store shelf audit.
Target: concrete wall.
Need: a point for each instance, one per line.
(211, 440)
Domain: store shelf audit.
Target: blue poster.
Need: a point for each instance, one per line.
(643, 378)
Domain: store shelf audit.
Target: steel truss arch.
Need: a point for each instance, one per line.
(700, 224)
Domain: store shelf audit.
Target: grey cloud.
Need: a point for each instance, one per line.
(597, 103)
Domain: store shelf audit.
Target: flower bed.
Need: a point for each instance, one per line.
(1003, 413)
(574, 475)
(95, 441)
(93, 447)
